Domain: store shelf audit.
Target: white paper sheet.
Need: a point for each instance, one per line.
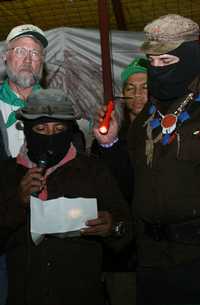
(60, 215)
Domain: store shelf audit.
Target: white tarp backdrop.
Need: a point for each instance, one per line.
(73, 63)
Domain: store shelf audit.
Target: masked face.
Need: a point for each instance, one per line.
(49, 141)
(170, 78)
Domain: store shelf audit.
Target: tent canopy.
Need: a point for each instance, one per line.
(129, 15)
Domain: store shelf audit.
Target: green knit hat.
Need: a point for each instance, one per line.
(138, 65)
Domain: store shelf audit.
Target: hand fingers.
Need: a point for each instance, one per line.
(33, 181)
(103, 218)
(95, 230)
(33, 174)
(99, 226)
(100, 114)
(95, 222)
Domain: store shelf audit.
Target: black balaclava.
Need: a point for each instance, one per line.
(172, 81)
(48, 148)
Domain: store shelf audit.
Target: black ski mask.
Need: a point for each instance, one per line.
(48, 148)
(172, 81)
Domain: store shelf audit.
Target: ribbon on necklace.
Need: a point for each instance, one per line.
(169, 121)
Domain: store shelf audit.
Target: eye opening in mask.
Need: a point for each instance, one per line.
(30, 124)
(50, 128)
(163, 60)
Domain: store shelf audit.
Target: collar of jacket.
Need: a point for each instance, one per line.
(8, 96)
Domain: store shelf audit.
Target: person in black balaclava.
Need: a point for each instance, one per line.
(174, 56)
(51, 146)
(164, 147)
(62, 265)
(168, 80)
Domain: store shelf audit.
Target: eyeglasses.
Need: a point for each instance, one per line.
(21, 52)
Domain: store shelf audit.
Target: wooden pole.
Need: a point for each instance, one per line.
(119, 15)
(105, 50)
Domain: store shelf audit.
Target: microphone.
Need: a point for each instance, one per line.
(104, 125)
(43, 164)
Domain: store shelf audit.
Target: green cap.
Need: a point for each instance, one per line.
(138, 65)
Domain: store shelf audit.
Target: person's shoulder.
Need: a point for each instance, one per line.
(2, 85)
(87, 157)
(89, 162)
(194, 109)
(7, 166)
(140, 119)
(8, 162)
(3, 104)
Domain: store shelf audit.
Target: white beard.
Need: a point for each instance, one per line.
(24, 79)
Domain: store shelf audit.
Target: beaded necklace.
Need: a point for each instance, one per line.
(168, 123)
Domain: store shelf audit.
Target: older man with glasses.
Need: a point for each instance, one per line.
(23, 57)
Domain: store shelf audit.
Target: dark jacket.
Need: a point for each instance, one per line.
(3, 140)
(3, 156)
(117, 160)
(58, 271)
(119, 165)
(166, 201)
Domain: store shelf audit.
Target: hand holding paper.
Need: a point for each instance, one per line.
(61, 215)
(100, 226)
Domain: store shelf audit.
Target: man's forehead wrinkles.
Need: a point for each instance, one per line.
(25, 41)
